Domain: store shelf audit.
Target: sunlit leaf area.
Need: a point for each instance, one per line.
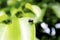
(29, 19)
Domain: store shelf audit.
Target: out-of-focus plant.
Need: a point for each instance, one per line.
(18, 17)
(18, 22)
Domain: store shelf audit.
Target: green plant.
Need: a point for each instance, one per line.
(18, 18)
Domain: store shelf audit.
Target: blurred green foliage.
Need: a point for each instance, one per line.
(19, 5)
